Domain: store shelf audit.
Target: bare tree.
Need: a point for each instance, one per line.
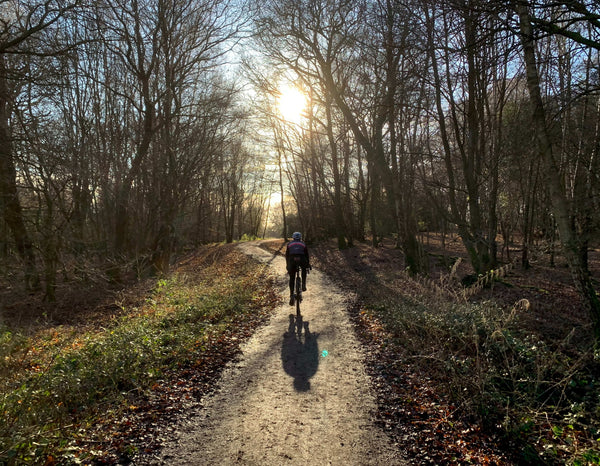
(320, 42)
(569, 238)
(470, 55)
(20, 31)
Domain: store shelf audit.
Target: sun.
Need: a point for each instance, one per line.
(291, 103)
(274, 199)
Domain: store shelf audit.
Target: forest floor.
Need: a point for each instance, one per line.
(322, 394)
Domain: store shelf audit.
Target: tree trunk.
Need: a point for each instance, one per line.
(459, 219)
(122, 211)
(340, 227)
(375, 201)
(363, 198)
(50, 250)
(348, 199)
(13, 215)
(569, 239)
(284, 232)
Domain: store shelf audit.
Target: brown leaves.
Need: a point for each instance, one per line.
(180, 334)
(420, 420)
(140, 427)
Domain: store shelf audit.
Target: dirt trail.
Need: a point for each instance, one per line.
(292, 397)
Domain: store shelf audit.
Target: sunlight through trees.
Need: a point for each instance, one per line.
(130, 130)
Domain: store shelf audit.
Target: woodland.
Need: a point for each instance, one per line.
(135, 131)
(131, 129)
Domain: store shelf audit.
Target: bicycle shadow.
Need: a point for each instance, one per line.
(300, 353)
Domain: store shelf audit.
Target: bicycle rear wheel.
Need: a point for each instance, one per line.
(298, 293)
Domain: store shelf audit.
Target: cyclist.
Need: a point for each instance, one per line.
(296, 255)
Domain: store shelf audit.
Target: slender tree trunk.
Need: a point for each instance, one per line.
(279, 148)
(363, 197)
(569, 239)
(375, 204)
(461, 224)
(340, 227)
(13, 215)
(122, 212)
(50, 250)
(347, 202)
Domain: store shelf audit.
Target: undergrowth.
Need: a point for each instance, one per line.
(56, 382)
(542, 395)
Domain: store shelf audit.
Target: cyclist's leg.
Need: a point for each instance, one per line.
(298, 294)
(292, 273)
(303, 278)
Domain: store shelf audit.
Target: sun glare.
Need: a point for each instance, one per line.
(274, 199)
(291, 104)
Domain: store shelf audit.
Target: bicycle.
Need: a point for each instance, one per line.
(298, 288)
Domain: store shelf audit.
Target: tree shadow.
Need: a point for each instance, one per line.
(300, 353)
(279, 251)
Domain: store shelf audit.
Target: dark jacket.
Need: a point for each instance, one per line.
(296, 253)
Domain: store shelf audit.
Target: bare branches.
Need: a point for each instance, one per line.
(20, 22)
(573, 19)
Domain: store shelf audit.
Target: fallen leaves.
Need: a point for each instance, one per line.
(420, 421)
(189, 336)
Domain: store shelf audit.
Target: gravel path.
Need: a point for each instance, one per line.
(297, 395)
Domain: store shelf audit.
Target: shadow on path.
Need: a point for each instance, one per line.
(274, 252)
(300, 353)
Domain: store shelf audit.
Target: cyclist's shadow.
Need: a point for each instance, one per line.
(300, 353)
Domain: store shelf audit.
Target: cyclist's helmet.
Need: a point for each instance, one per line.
(297, 236)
